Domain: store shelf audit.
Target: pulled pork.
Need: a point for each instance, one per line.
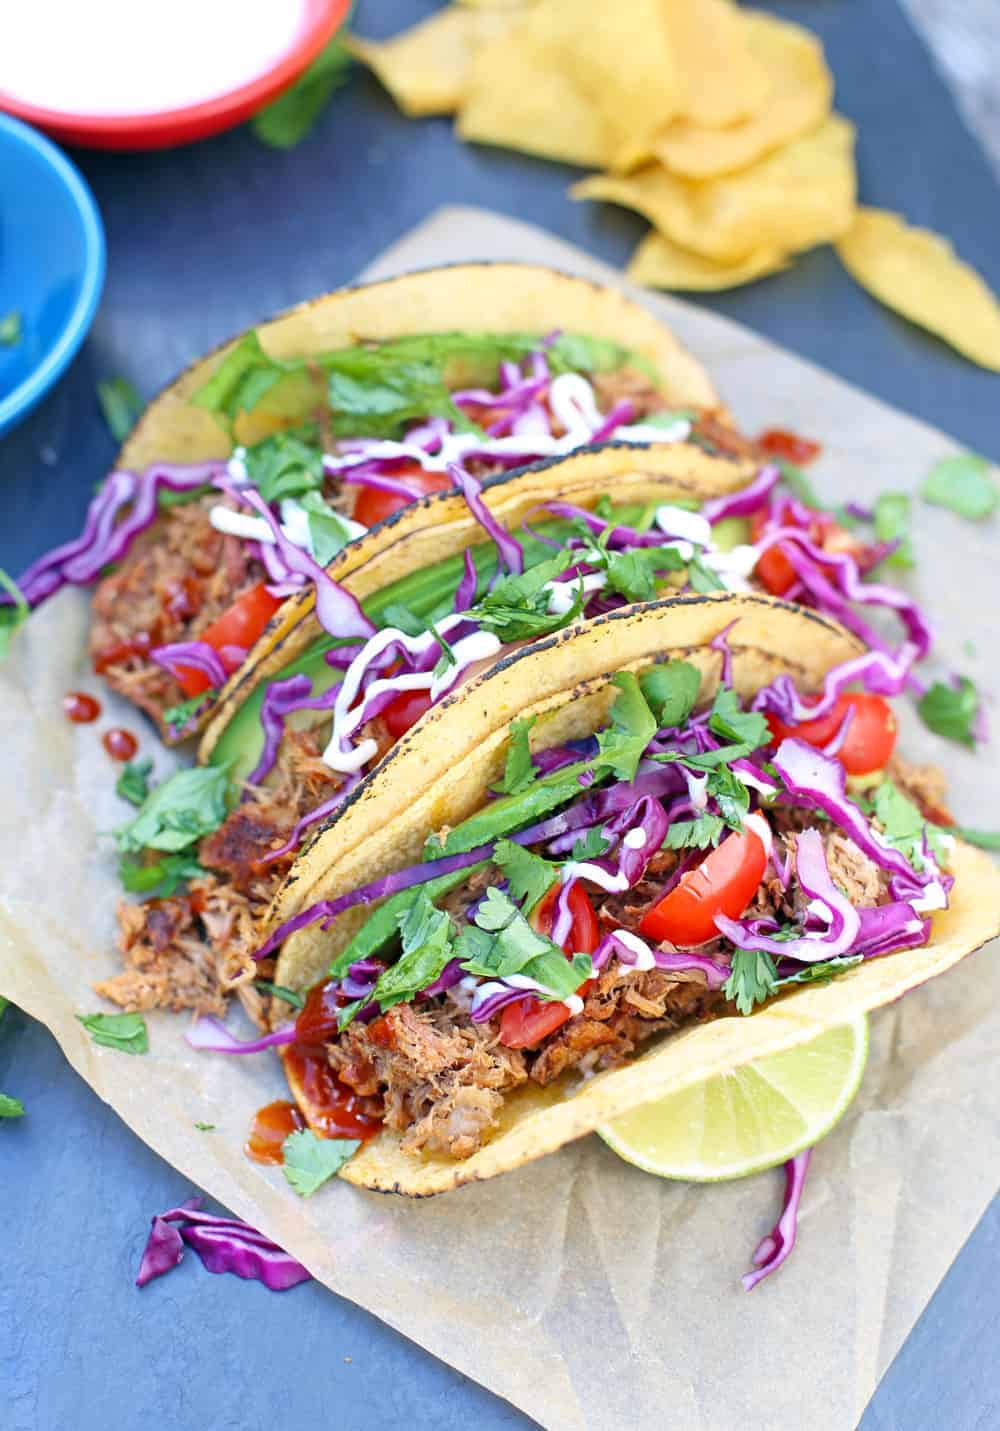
(191, 950)
(178, 578)
(444, 1076)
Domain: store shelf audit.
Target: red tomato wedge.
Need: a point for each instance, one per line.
(404, 711)
(868, 741)
(527, 1022)
(373, 505)
(724, 883)
(240, 626)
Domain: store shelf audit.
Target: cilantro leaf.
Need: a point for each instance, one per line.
(633, 573)
(133, 782)
(529, 876)
(308, 1162)
(387, 395)
(4, 1003)
(10, 329)
(121, 406)
(165, 499)
(10, 1107)
(519, 772)
(11, 617)
(903, 826)
(753, 979)
(286, 464)
(177, 717)
(731, 722)
(704, 830)
(179, 812)
(671, 690)
(287, 120)
(892, 524)
(517, 607)
(426, 936)
(984, 839)
(405, 620)
(502, 943)
(633, 726)
(962, 484)
(158, 879)
(125, 1032)
(702, 578)
(244, 376)
(205, 1127)
(819, 973)
(329, 532)
(278, 991)
(951, 711)
(591, 844)
(730, 794)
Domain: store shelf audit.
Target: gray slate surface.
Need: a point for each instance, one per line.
(201, 242)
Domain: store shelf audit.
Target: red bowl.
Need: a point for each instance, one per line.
(167, 127)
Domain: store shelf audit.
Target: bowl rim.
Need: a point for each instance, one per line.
(57, 357)
(153, 128)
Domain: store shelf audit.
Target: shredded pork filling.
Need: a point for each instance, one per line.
(191, 950)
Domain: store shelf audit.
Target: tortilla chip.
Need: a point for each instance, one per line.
(516, 98)
(723, 80)
(917, 273)
(621, 58)
(658, 263)
(425, 68)
(800, 99)
(799, 196)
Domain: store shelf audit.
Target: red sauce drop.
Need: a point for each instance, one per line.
(80, 708)
(270, 1127)
(317, 1021)
(121, 651)
(777, 442)
(120, 744)
(335, 1111)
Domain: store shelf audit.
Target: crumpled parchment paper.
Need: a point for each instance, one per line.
(588, 1294)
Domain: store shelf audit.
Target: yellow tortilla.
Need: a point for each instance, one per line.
(443, 768)
(489, 297)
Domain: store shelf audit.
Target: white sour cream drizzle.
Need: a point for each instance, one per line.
(644, 957)
(583, 869)
(762, 830)
(479, 646)
(635, 839)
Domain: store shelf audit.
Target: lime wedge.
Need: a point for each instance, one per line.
(752, 1118)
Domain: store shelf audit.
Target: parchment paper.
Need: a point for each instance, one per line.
(587, 1293)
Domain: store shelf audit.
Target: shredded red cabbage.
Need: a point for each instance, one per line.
(125, 505)
(337, 610)
(293, 693)
(312, 817)
(745, 502)
(465, 592)
(681, 960)
(182, 656)
(224, 1244)
(509, 550)
(720, 643)
(361, 477)
(778, 1244)
(210, 1035)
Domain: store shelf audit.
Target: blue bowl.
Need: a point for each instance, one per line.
(51, 264)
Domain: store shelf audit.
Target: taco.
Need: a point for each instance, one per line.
(671, 831)
(306, 723)
(315, 440)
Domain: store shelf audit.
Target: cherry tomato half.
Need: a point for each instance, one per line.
(405, 710)
(372, 505)
(239, 626)
(868, 741)
(527, 1022)
(724, 883)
